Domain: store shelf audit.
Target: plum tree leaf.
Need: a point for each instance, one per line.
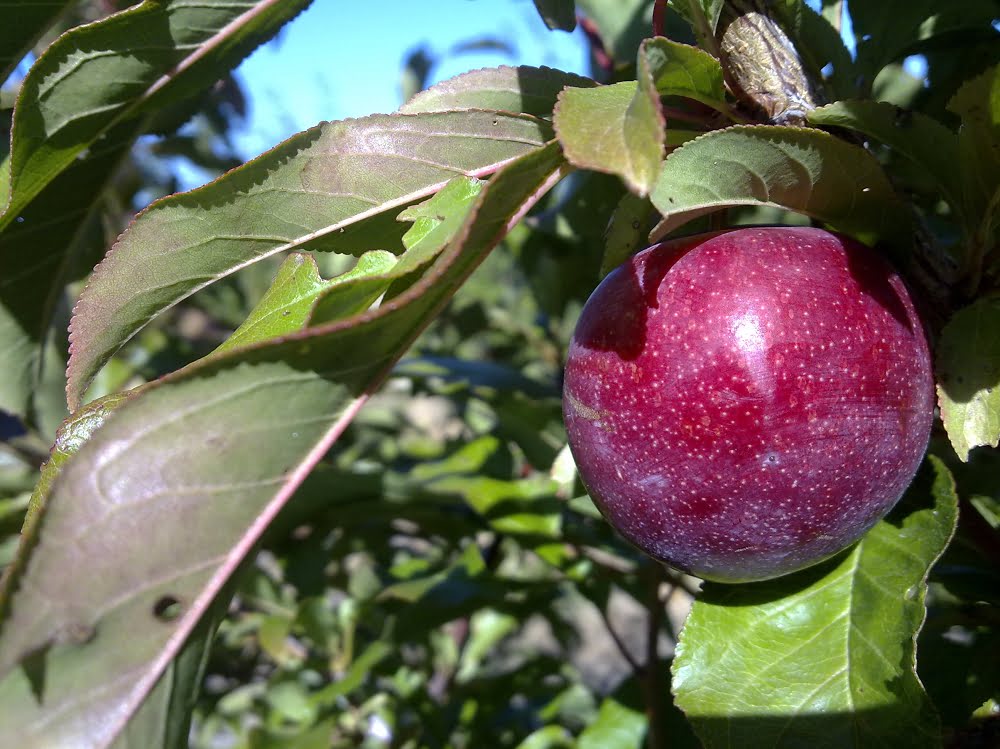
(79, 109)
(977, 102)
(888, 30)
(288, 303)
(682, 70)
(825, 657)
(98, 75)
(911, 134)
(523, 89)
(621, 26)
(310, 192)
(557, 14)
(968, 369)
(155, 522)
(803, 170)
(703, 15)
(300, 296)
(626, 233)
(618, 129)
(616, 727)
(16, 39)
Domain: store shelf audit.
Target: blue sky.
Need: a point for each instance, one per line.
(345, 59)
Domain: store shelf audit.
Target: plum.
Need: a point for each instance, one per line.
(747, 403)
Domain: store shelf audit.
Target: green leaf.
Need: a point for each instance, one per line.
(16, 39)
(968, 369)
(144, 516)
(78, 111)
(302, 194)
(98, 75)
(469, 565)
(289, 302)
(506, 89)
(683, 70)
(804, 170)
(557, 14)
(38, 255)
(887, 30)
(917, 137)
(621, 25)
(616, 727)
(617, 129)
(978, 104)
(627, 231)
(547, 737)
(825, 657)
(703, 15)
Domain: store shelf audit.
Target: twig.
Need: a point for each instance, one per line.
(659, 17)
(652, 677)
(620, 644)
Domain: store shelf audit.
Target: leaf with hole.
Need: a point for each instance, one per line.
(150, 515)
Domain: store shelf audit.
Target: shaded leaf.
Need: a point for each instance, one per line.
(620, 25)
(38, 255)
(627, 231)
(302, 194)
(968, 369)
(148, 516)
(824, 657)
(617, 129)
(885, 31)
(804, 170)
(521, 89)
(98, 75)
(978, 104)
(703, 15)
(557, 14)
(911, 134)
(16, 39)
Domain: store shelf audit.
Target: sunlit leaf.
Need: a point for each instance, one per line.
(158, 521)
(968, 370)
(290, 300)
(304, 194)
(804, 170)
(77, 112)
(98, 75)
(682, 70)
(617, 129)
(521, 89)
(824, 657)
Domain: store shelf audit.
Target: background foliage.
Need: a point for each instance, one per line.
(314, 490)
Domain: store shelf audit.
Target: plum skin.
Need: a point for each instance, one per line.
(745, 404)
